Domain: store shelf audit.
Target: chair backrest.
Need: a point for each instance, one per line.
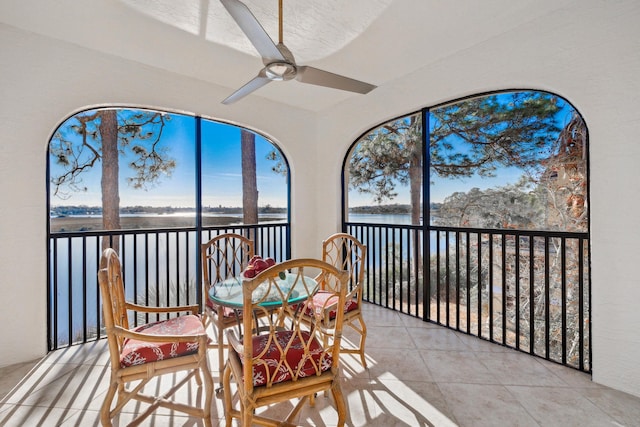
(345, 252)
(114, 306)
(224, 256)
(309, 349)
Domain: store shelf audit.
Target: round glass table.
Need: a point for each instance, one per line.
(228, 293)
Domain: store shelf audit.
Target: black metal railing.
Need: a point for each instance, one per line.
(160, 267)
(527, 290)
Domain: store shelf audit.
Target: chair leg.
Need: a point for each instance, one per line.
(220, 331)
(226, 386)
(105, 411)
(247, 415)
(338, 398)
(363, 337)
(208, 392)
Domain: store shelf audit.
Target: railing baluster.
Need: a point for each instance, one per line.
(490, 241)
(85, 324)
(457, 234)
(166, 269)
(517, 285)
(438, 257)
(54, 295)
(468, 274)
(447, 275)
(581, 303)
(70, 289)
(504, 289)
(479, 286)
(98, 295)
(532, 300)
(547, 295)
(401, 270)
(135, 270)
(511, 249)
(563, 260)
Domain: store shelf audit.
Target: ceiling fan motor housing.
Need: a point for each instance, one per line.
(279, 71)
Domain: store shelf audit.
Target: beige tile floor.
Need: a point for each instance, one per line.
(419, 375)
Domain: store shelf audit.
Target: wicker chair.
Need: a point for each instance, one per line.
(222, 257)
(141, 354)
(284, 363)
(346, 252)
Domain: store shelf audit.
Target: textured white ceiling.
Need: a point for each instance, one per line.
(382, 42)
(312, 29)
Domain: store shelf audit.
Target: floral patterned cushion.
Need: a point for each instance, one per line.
(226, 311)
(136, 352)
(324, 299)
(294, 363)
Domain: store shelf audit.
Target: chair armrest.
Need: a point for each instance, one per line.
(321, 283)
(235, 342)
(193, 309)
(141, 336)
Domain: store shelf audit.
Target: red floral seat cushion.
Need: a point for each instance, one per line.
(136, 352)
(324, 299)
(273, 364)
(226, 311)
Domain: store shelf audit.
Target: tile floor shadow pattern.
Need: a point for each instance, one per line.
(419, 374)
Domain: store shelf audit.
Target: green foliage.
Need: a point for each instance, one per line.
(391, 209)
(552, 196)
(479, 135)
(382, 159)
(511, 206)
(473, 137)
(77, 147)
(279, 167)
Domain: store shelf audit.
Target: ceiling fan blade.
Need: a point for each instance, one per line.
(253, 30)
(256, 83)
(319, 77)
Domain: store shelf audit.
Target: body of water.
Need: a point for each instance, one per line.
(157, 260)
(396, 219)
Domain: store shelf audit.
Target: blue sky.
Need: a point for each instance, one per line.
(222, 174)
(221, 171)
(441, 188)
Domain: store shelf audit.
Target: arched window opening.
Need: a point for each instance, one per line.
(153, 185)
(501, 246)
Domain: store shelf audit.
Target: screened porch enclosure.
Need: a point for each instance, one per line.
(474, 285)
(508, 264)
(161, 267)
(475, 215)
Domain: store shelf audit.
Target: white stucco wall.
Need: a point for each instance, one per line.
(590, 56)
(45, 81)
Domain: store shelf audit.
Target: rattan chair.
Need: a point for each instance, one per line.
(222, 257)
(140, 354)
(345, 252)
(284, 363)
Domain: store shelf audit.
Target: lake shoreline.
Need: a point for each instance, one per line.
(72, 224)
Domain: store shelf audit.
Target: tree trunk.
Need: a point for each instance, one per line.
(415, 179)
(110, 171)
(415, 183)
(249, 182)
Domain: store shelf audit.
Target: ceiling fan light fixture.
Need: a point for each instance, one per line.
(279, 71)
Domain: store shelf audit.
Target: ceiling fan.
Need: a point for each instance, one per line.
(278, 59)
